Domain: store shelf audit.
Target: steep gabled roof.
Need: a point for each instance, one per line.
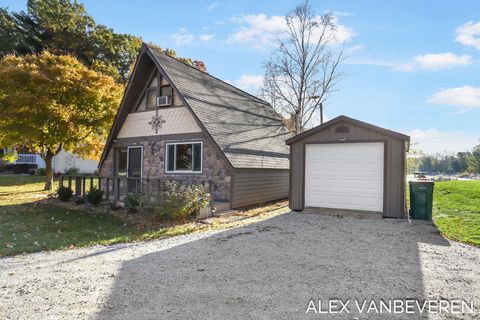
(245, 127)
(342, 118)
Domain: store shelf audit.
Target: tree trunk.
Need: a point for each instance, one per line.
(48, 171)
(298, 123)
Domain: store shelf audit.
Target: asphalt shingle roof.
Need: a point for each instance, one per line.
(246, 128)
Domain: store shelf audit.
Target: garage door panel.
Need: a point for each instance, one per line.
(345, 175)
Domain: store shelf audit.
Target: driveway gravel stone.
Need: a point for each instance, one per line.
(267, 270)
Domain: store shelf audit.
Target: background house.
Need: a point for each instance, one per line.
(62, 162)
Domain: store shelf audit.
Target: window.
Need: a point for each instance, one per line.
(166, 91)
(121, 162)
(149, 99)
(184, 157)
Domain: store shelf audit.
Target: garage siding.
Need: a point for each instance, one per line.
(395, 152)
(258, 185)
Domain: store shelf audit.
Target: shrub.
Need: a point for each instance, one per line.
(113, 206)
(64, 193)
(94, 196)
(72, 171)
(181, 201)
(80, 200)
(463, 175)
(41, 171)
(134, 200)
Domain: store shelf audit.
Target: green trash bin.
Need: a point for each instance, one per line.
(421, 200)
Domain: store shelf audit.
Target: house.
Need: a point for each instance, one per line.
(349, 164)
(61, 163)
(178, 122)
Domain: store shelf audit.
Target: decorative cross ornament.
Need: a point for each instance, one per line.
(156, 122)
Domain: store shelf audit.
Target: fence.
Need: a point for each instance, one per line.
(117, 187)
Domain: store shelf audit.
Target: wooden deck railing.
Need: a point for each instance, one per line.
(117, 187)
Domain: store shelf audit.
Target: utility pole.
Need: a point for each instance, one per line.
(321, 112)
(320, 107)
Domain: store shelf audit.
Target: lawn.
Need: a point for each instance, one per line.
(29, 222)
(18, 189)
(456, 210)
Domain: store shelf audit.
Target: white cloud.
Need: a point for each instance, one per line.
(341, 13)
(434, 62)
(433, 140)
(206, 37)
(469, 34)
(372, 62)
(426, 62)
(261, 30)
(249, 82)
(353, 49)
(212, 6)
(342, 33)
(182, 37)
(465, 97)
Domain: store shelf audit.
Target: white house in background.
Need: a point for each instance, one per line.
(62, 162)
(67, 160)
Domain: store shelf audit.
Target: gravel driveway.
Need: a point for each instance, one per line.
(267, 270)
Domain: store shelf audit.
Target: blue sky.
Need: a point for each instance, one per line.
(412, 66)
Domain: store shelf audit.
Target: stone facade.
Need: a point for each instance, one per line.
(215, 167)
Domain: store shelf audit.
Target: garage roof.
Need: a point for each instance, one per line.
(343, 118)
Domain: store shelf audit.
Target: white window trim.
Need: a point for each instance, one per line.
(141, 160)
(175, 157)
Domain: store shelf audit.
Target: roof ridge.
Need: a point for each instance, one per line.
(210, 75)
(342, 117)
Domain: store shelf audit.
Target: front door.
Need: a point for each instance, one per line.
(134, 168)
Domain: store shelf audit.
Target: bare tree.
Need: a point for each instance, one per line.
(303, 70)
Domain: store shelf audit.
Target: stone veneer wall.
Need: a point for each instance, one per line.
(215, 167)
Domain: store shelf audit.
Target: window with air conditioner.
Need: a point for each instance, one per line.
(151, 99)
(166, 95)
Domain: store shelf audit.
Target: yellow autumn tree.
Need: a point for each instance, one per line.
(52, 102)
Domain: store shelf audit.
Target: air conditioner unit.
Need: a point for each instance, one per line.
(163, 101)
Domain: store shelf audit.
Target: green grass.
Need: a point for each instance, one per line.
(456, 210)
(29, 222)
(18, 189)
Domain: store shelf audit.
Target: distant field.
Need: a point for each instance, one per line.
(456, 210)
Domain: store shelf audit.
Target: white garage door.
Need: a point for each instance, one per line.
(344, 175)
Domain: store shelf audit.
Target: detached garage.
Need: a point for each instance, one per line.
(351, 165)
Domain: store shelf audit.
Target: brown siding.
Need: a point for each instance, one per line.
(252, 186)
(395, 166)
(296, 162)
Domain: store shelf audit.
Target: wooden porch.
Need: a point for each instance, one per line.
(118, 187)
